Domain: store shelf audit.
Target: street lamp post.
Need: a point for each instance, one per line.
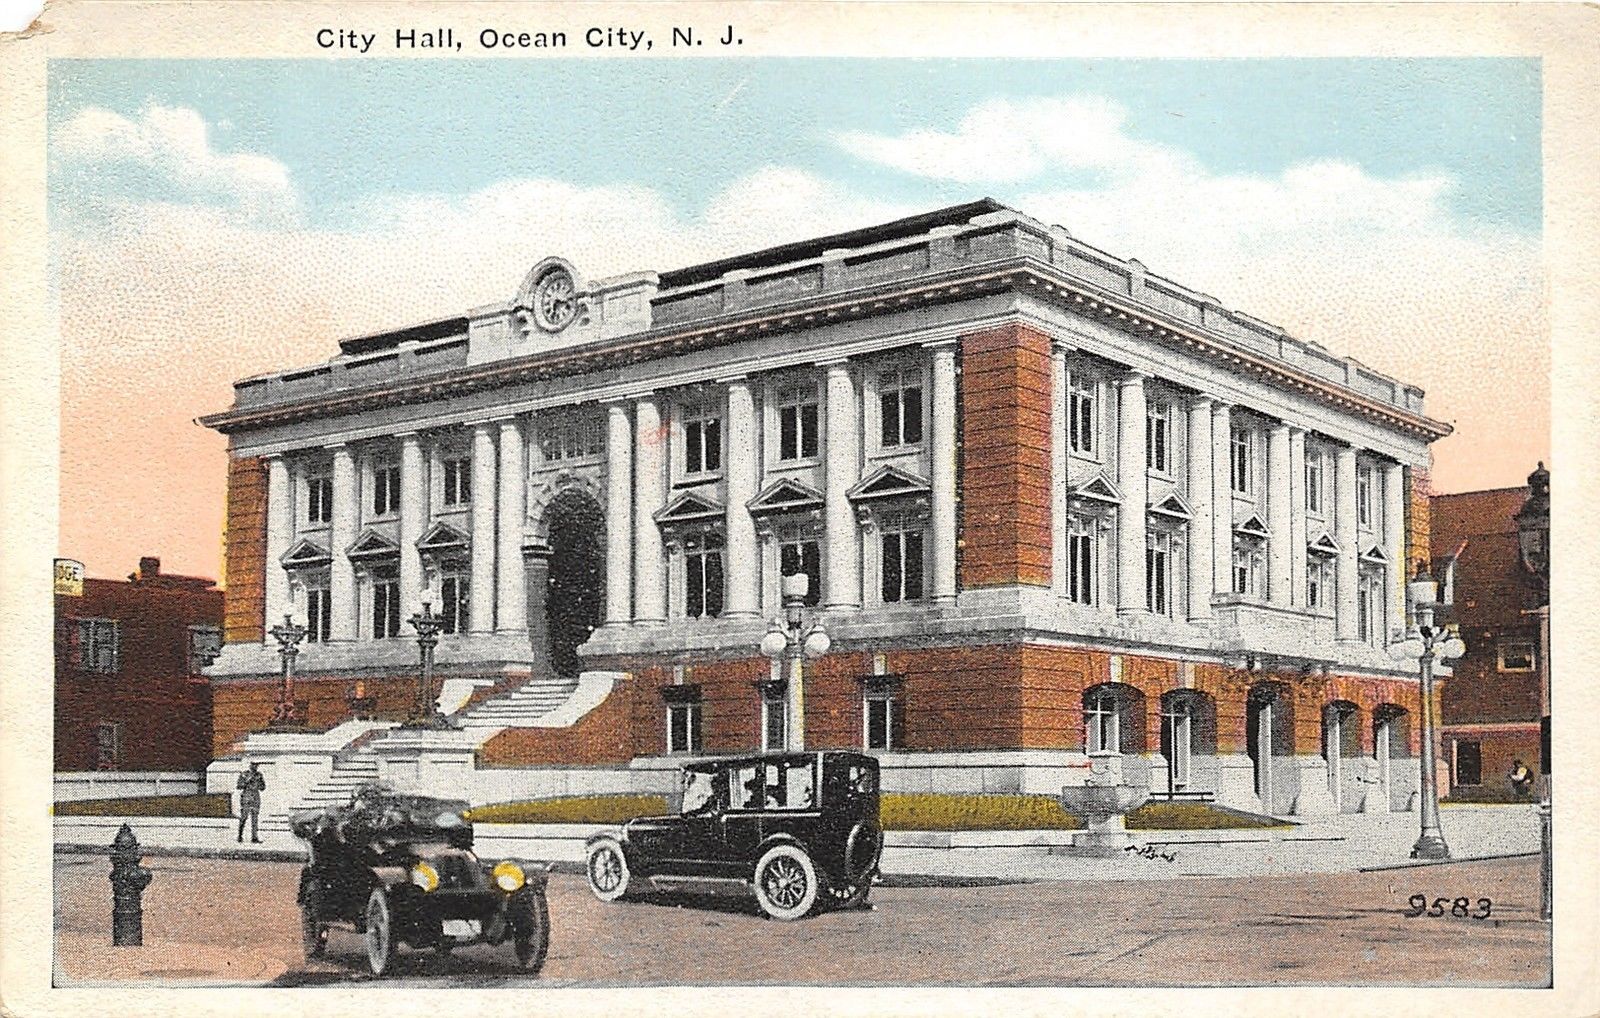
(1533, 539)
(424, 708)
(1425, 643)
(787, 639)
(287, 713)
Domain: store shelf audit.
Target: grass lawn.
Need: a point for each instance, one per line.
(897, 811)
(218, 804)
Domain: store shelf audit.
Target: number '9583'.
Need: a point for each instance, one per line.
(1460, 908)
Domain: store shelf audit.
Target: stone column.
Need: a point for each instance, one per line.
(1202, 545)
(619, 515)
(1394, 543)
(413, 514)
(650, 493)
(740, 568)
(511, 586)
(483, 499)
(1131, 475)
(843, 579)
(1297, 516)
(276, 601)
(341, 535)
(1222, 498)
(1346, 569)
(1060, 474)
(1280, 508)
(943, 424)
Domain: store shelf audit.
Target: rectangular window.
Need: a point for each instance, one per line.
(319, 614)
(803, 557)
(1158, 438)
(205, 643)
(900, 401)
(774, 718)
(1516, 656)
(797, 422)
(457, 481)
(108, 745)
(902, 566)
(1313, 483)
(99, 645)
(702, 440)
(572, 440)
(683, 728)
(1319, 581)
(385, 608)
(1469, 762)
(385, 489)
(1081, 417)
(455, 607)
(1240, 471)
(1364, 496)
(1363, 612)
(878, 727)
(1246, 568)
(703, 579)
(319, 499)
(1080, 559)
(1157, 564)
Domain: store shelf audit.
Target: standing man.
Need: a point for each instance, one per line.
(251, 784)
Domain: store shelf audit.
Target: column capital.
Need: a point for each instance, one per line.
(274, 457)
(1060, 347)
(336, 446)
(741, 378)
(409, 437)
(620, 405)
(1200, 401)
(945, 345)
(507, 421)
(1221, 408)
(837, 364)
(1134, 376)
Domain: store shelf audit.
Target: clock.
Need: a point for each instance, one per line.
(555, 300)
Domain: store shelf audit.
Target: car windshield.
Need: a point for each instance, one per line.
(699, 791)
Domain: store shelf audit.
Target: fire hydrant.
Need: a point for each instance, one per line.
(128, 881)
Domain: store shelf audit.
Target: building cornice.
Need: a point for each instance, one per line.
(1016, 273)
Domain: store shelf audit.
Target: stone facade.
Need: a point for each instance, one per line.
(1043, 499)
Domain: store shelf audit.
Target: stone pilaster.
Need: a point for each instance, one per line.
(619, 515)
(843, 574)
(943, 481)
(650, 493)
(280, 534)
(1346, 568)
(413, 518)
(511, 581)
(341, 535)
(1202, 499)
(1222, 498)
(1280, 513)
(1131, 521)
(483, 499)
(1394, 542)
(1060, 387)
(1297, 516)
(743, 467)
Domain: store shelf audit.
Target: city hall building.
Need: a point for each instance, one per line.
(1048, 504)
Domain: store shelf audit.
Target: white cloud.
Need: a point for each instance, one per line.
(164, 154)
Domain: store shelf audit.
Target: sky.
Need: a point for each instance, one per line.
(215, 219)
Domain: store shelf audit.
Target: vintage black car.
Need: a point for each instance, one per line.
(400, 868)
(800, 829)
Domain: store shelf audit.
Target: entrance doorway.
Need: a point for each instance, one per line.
(576, 589)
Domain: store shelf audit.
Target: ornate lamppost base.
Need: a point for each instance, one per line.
(1430, 846)
(433, 721)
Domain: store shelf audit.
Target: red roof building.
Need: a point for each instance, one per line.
(1490, 708)
(129, 693)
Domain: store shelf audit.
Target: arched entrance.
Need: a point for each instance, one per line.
(1341, 750)
(575, 593)
(1269, 739)
(1391, 743)
(1188, 734)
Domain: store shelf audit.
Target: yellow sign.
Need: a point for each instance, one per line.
(69, 577)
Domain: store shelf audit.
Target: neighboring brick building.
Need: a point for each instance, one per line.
(1048, 504)
(129, 693)
(1490, 708)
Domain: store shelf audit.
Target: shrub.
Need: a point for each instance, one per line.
(936, 811)
(218, 804)
(570, 809)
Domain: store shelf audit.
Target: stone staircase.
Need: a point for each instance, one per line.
(522, 707)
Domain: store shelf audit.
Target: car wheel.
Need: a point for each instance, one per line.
(786, 882)
(313, 931)
(380, 932)
(529, 915)
(608, 870)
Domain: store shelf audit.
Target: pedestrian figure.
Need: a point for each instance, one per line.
(1521, 779)
(251, 785)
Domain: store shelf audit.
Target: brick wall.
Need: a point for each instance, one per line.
(1418, 518)
(244, 551)
(239, 708)
(1005, 441)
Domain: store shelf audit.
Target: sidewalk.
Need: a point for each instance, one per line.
(1344, 843)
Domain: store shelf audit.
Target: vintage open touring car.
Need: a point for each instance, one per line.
(400, 869)
(799, 829)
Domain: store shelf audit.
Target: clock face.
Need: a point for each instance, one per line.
(555, 301)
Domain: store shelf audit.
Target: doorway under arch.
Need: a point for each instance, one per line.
(575, 591)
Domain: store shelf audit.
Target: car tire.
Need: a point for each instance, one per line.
(786, 883)
(529, 916)
(607, 869)
(313, 931)
(380, 932)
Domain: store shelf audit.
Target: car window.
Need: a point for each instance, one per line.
(699, 791)
(746, 786)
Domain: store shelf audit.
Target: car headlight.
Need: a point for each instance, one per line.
(449, 819)
(425, 876)
(508, 876)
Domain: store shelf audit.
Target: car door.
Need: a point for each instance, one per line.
(741, 825)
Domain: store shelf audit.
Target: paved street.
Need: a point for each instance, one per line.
(214, 921)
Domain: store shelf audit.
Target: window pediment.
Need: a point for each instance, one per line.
(305, 554)
(1323, 544)
(1252, 526)
(889, 482)
(443, 539)
(689, 508)
(1173, 507)
(1096, 492)
(1375, 556)
(370, 546)
(786, 496)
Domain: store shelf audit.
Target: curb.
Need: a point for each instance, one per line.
(1416, 863)
(152, 852)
